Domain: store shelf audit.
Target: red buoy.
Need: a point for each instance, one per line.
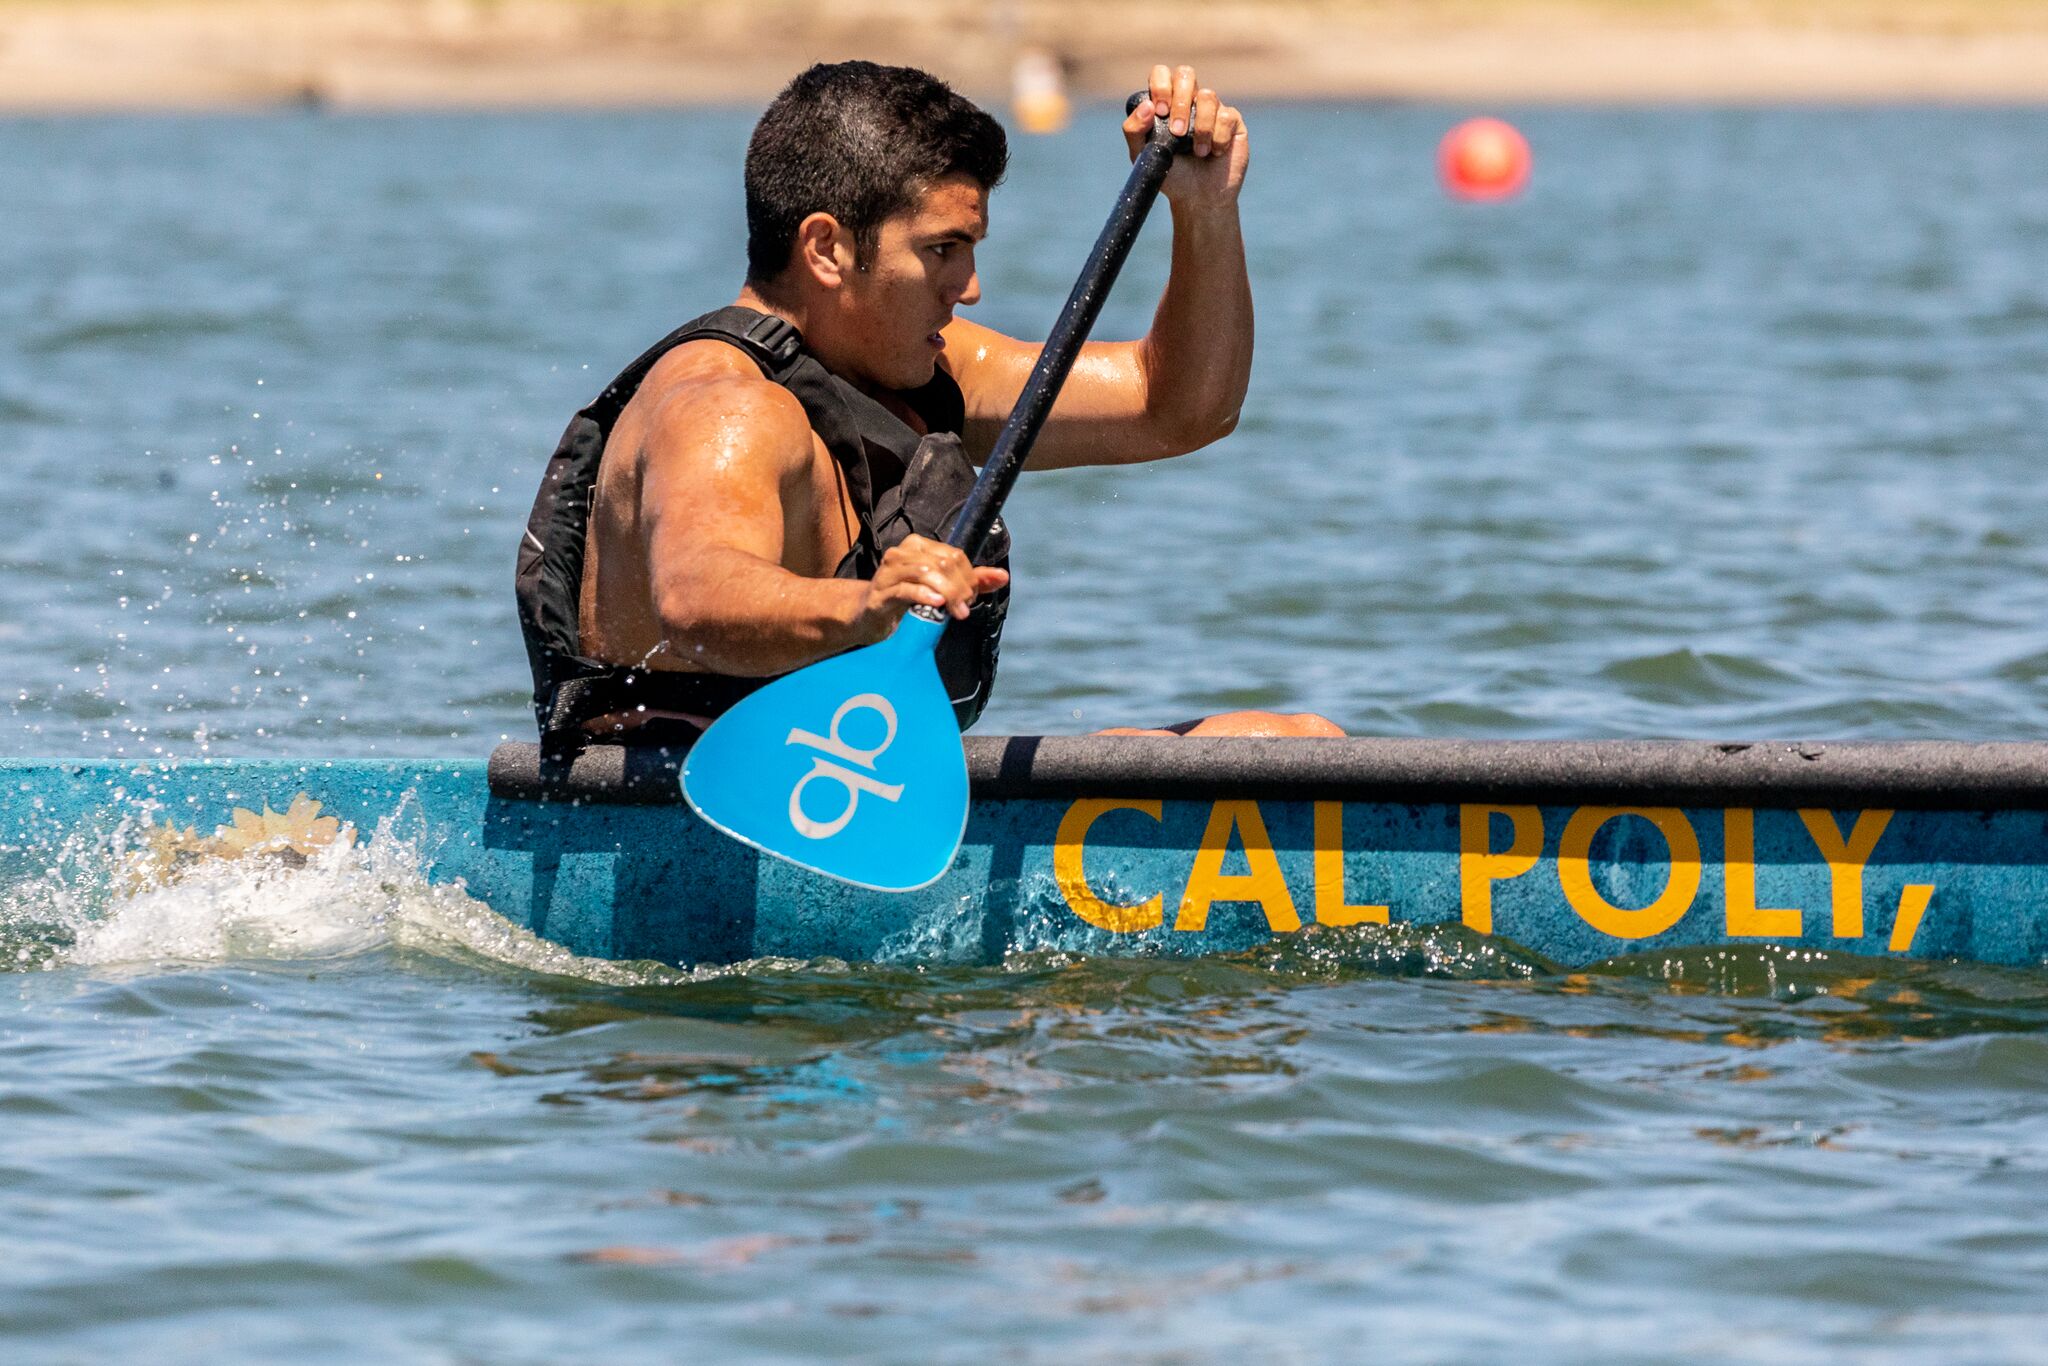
(1484, 159)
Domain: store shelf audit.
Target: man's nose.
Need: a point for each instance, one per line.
(971, 295)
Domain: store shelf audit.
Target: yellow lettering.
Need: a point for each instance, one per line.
(1845, 862)
(1330, 907)
(1479, 867)
(1576, 845)
(1068, 856)
(1912, 905)
(1746, 919)
(1263, 884)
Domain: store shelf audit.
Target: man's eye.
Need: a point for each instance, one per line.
(940, 249)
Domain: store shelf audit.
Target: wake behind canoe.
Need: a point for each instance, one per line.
(1579, 851)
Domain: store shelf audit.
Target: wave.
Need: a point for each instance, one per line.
(115, 901)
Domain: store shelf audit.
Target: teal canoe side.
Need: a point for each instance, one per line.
(1149, 856)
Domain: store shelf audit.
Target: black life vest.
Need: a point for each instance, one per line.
(900, 483)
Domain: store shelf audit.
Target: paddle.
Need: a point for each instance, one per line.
(853, 766)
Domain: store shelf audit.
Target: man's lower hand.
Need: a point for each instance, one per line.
(921, 572)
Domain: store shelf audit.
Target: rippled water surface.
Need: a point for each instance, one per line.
(1733, 426)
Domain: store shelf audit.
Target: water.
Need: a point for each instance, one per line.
(1731, 427)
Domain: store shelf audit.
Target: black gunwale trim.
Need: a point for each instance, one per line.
(1911, 774)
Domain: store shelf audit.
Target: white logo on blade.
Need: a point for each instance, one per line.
(854, 783)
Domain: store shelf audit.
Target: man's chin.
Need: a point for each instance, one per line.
(905, 370)
(916, 375)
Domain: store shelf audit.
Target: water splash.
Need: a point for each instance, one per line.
(103, 901)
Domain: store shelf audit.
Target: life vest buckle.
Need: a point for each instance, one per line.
(776, 336)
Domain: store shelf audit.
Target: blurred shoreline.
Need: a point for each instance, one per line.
(98, 55)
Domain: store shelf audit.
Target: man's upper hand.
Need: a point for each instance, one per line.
(1124, 401)
(1210, 177)
(920, 572)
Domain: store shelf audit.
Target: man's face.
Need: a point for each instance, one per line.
(921, 270)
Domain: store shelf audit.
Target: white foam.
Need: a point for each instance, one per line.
(342, 901)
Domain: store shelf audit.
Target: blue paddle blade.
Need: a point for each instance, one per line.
(852, 767)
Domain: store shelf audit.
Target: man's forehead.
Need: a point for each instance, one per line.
(955, 203)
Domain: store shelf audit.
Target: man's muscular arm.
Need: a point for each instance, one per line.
(723, 467)
(1181, 387)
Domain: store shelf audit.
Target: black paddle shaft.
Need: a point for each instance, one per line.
(985, 502)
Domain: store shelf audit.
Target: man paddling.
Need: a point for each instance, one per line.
(770, 484)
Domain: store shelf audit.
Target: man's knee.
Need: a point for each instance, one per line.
(1266, 723)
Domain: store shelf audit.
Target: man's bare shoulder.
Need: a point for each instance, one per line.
(706, 400)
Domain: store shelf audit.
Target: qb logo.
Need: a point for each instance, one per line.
(854, 782)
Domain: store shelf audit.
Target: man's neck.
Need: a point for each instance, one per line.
(821, 346)
(750, 297)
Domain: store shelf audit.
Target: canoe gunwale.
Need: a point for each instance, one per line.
(1902, 774)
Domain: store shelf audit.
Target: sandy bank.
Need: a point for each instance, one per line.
(126, 54)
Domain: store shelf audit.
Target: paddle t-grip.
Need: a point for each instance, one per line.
(985, 502)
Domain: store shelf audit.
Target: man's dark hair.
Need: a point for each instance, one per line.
(860, 142)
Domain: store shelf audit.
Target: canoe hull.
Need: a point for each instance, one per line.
(1154, 861)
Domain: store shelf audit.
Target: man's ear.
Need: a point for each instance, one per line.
(825, 250)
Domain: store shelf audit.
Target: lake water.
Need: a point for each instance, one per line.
(1733, 426)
